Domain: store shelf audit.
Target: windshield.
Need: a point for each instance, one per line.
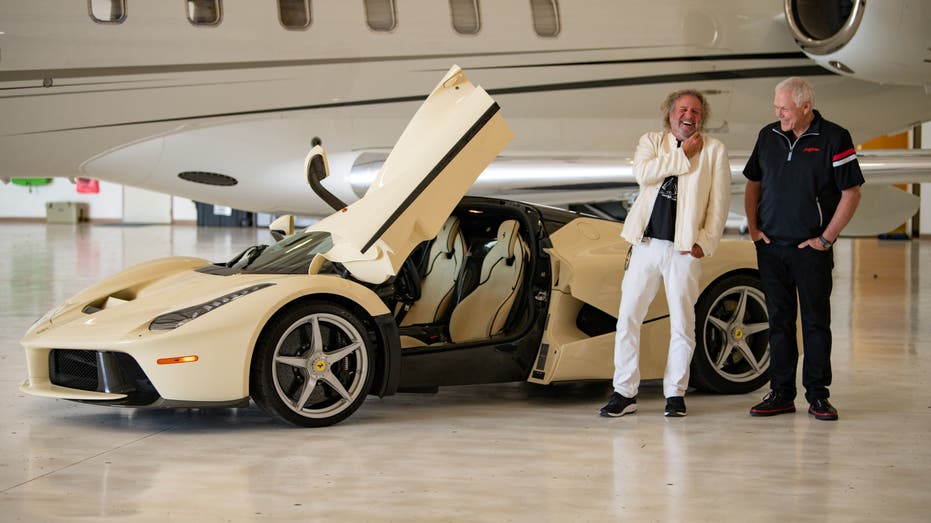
(291, 255)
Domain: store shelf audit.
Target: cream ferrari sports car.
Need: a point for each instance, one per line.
(412, 287)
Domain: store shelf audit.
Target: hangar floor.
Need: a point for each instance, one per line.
(511, 452)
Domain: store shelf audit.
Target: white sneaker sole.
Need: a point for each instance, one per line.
(630, 409)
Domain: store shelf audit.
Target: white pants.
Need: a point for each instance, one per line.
(651, 261)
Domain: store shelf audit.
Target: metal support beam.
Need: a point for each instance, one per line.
(916, 187)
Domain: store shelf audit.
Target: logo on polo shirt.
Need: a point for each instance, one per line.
(812, 150)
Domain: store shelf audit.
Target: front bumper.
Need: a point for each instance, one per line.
(105, 377)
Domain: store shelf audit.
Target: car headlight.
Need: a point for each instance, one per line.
(175, 319)
(45, 321)
(47, 316)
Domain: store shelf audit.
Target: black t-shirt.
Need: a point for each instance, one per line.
(662, 225)
(801, 179)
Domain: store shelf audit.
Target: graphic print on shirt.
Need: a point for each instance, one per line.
(662, 224)
(669, 189)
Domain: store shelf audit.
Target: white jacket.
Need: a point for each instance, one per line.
(704, 190)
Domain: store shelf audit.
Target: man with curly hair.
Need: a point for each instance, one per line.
(677, 219)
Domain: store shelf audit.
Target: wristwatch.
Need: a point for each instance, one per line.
(824, 242)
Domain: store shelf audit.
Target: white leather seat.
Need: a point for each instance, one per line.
(437, 288)
(483, 313)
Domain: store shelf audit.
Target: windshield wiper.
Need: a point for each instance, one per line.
(256, 251)
(250, 253)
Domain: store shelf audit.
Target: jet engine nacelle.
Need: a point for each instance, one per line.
(885, 41)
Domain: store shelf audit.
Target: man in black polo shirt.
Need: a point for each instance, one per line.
(803, 187)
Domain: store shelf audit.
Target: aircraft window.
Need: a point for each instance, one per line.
(294, 14)
(107, 11)
(465, 15)
(380, 15)
(204, 12)
(545, 17)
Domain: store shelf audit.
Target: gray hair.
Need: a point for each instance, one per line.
(801, 90)
(669, 104)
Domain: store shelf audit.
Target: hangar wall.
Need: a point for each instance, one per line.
(28, 203)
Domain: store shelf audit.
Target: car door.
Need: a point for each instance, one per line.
(454, 135)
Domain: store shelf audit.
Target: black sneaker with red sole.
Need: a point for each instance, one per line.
(823, 410)
(773, 404)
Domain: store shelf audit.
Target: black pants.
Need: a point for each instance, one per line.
(794, 278)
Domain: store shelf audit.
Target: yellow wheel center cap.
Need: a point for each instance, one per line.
(738, 333)
(320, 365)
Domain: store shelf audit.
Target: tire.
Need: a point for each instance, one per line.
(731, 337)
(318, 344)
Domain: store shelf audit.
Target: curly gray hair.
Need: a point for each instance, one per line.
(670, 102)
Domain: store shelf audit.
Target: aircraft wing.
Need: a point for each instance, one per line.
(563, 179)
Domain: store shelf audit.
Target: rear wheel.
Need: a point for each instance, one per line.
(312, 365)
(731, 337)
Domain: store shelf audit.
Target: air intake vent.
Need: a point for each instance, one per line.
(208, 178)
(823, 26)
(75, 369)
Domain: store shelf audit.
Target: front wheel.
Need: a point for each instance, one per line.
(731, 337)
(312, 365)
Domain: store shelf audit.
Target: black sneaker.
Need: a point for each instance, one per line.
(774, 403)
(619, 405)
(675, 407)
(823, 410)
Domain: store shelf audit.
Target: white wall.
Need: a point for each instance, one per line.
(183, 210)
(17, 201)
(142, 206)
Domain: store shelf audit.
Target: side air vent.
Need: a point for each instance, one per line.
(593, 322)
(541, 357)
(208, 178)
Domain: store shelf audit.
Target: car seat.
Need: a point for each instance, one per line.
(437, 287)
(483, 313)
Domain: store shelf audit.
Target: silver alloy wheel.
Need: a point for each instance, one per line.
(321, 365)
(735, 334)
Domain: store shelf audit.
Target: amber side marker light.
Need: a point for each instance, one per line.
(177, 359)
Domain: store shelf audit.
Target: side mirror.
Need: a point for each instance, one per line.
(282, 227)
(317, 169)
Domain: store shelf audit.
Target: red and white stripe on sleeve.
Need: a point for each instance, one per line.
(845, 157)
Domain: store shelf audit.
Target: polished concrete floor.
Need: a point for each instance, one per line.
(512, 452)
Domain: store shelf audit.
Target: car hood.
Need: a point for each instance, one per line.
(454, 135)
(128, 302)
